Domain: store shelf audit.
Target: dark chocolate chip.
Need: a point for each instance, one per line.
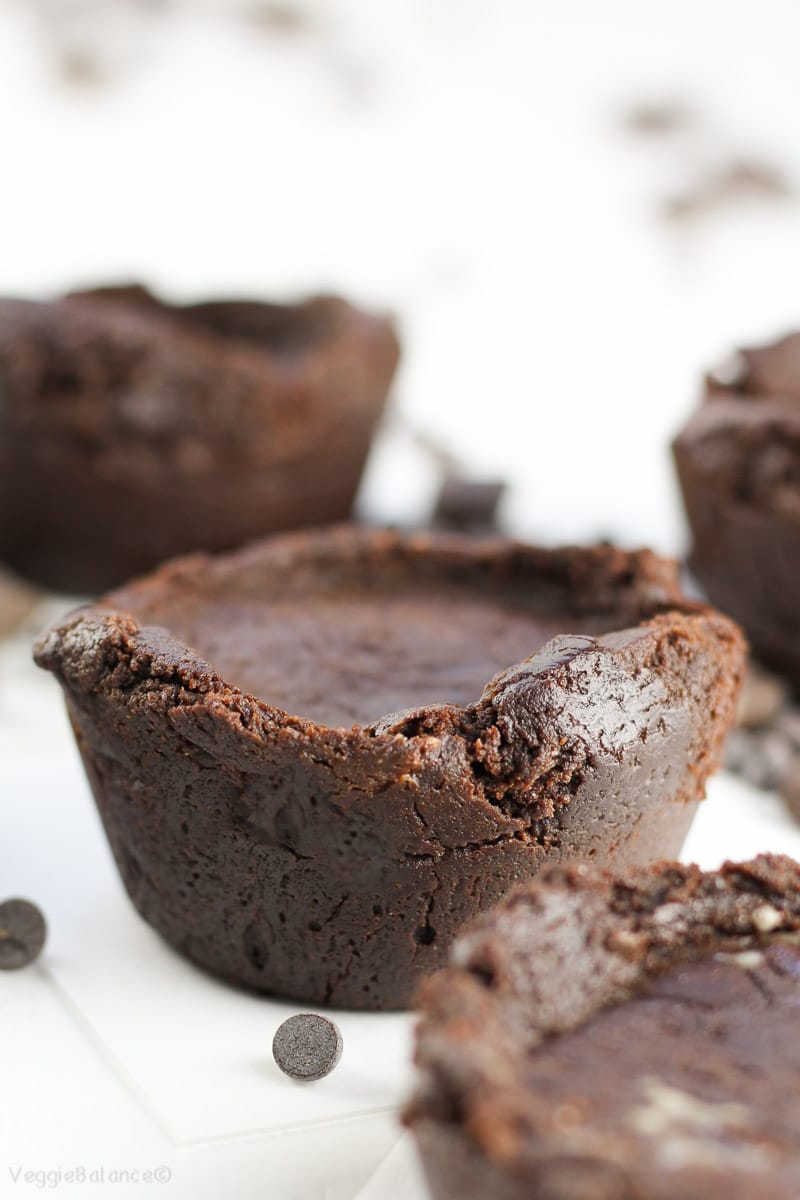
(22, 934)
(468, 504)
(757, 177)
(307, 1047)
(658, 116)
(274, 16)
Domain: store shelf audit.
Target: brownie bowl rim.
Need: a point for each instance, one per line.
(170, 658)
(171, 321)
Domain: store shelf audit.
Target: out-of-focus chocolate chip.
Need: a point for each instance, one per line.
(278, 16)
(742, 179)
(307, 1047)
(657, 116)
(468, 505)
(750, 175)
(23, 932)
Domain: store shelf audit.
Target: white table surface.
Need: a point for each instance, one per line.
(463, 164)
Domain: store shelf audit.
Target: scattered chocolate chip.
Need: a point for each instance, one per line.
(763, 697)
(468, 505)
(758, 178)
(275, 16)
(307, 1047)
(22, 934)
(741, 179)
(81, 67)
(657, 116)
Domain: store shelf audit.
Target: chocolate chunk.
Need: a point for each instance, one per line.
(275, 16)
(22, 934)
(468, 504)
(307, 1047)
(658, 116)
(739, 180)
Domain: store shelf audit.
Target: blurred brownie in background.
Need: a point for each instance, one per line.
(738, 461)
(132, 430)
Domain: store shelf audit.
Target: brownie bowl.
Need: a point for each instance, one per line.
(738, 461)
(132, 430)
(317, 757)
(619, 1037)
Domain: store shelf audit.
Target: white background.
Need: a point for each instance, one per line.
(465, 164)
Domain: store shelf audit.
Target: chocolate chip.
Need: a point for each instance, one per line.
(468, 505)
(658, 116)
(273, 16)
(756, 176)
(307, 1047)
(22, 934)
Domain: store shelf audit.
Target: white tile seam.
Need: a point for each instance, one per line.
(292, 1127)
(130, 1084)
(107, 1056)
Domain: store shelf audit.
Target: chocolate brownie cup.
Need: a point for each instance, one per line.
(314, 761)
(738, 461)
(602, 1037)
(132, 430)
